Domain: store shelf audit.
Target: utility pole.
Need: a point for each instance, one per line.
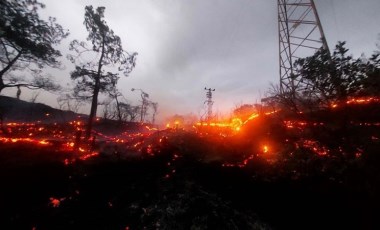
(300, 35)
(209, 103)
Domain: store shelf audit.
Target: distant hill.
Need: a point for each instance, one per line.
(15, 110)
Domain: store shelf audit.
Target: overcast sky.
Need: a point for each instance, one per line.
(186, 45)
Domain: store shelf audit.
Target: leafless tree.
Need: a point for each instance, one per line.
(70, 102)
(34, 96)
(154, 106)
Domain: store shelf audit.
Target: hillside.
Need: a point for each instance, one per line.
(14, 110)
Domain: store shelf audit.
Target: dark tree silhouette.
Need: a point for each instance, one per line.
(69, 102)
(26, 43)
(131, 111)
(370, 82)
(329, 79)
(244, 111)
(115, 95)
(91, 77)
(155, 109)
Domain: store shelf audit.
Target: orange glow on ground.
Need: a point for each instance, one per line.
(265, 149)
(356, 101)
(365, 100)
(55, 203)
(43, 142)
(235, 124)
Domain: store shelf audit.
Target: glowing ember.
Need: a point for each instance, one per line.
(265, 149)
(363, 100)
(356, 101)
(315, 147)
(44, 143)
(253, 116)
(55, 203)
(235, 124)
(149, 150)
(87, 156)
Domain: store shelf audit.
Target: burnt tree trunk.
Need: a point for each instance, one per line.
(94, 103)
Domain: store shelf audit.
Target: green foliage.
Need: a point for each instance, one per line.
(90, 77)
(371, 82)
(336, 77)
(26, 41)
(108, 47)
(85, 81)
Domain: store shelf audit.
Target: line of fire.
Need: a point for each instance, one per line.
(247, 120)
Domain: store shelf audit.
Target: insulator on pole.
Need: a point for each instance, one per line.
(209, 103)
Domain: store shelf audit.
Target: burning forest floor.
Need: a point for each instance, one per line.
(275, 173)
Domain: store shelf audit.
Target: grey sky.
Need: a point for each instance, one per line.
(229, 45)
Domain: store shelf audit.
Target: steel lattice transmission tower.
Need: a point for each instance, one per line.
(300, 35)
(209, 103)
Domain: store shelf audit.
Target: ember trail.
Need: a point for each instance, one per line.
(223, 163)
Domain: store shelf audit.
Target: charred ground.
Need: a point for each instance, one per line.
(281, 171)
